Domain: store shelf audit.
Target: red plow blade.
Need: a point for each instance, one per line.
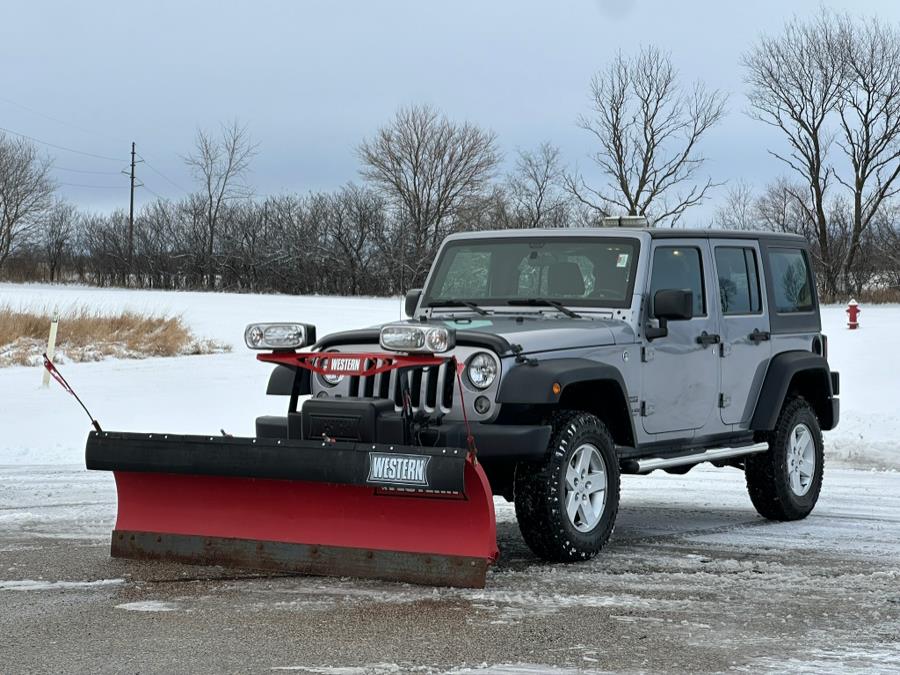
(177, 512)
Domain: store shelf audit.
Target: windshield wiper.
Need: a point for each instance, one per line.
(459, 303)
(534, 302)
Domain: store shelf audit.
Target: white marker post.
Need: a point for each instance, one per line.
(51, 349)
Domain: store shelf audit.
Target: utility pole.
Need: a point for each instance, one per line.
(134, 184)
(131, 216)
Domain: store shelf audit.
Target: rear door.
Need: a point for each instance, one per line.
(680, 372)
(743, 325)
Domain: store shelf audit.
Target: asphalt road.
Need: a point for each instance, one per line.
(693, 581)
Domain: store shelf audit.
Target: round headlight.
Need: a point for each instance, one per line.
(437, 340)
(482, 370)
(253, 336)
(331, 379)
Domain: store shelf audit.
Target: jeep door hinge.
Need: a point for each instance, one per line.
(725, 349)
(724, 400)
(646, 408)
(647, 354)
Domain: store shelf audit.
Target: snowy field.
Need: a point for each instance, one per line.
(203, 394)
(691, 581)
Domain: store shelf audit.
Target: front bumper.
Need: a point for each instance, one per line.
(493, 441)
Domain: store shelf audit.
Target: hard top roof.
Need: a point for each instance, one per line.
(653, 232)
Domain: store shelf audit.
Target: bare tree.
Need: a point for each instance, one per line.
(738, 211)
(536, 189)
(795, 80)
(220, 164)
(648, 129)
(354, 224)
(57, 231)
(778, 209)
(868, 108)
(427, 167)
(26, 192)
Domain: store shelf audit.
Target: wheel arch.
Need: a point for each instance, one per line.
(796, 373)
(597, 388)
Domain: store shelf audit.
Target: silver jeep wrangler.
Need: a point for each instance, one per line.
(591, 353)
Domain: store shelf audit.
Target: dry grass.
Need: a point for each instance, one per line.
(876, 296)
(86, 335)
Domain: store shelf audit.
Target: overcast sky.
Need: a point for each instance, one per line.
(312, 79)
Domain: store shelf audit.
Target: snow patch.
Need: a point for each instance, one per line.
(149, 606)
(41, 585)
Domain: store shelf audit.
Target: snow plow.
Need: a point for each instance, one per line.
(354, 487)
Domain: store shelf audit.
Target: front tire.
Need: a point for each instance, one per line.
(566, 506)
(784, 482)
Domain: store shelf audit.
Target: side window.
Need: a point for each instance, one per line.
(676, 267)
(791, 280)
(736, 270)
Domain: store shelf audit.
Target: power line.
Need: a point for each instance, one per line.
(155, 194)
(99, 187)
(60, 147)
(46, 116)
(160, 173)
(103, 173)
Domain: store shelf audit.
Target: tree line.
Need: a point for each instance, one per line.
(829, 86)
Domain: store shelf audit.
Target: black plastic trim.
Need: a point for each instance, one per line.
(533, 384)
(500, 441)
(782, 369)
(283, 379)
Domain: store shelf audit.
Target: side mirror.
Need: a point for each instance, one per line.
(670, 304)
(411, 302)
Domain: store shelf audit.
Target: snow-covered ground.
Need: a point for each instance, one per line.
(692, 580)
(202, 394)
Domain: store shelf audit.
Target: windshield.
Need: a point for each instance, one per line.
(579, 271)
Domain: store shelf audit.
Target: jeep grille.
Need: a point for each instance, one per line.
(430, 388)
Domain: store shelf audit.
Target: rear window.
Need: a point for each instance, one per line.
(791, 280)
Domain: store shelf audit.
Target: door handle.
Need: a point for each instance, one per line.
(707, 339)
(758, 336)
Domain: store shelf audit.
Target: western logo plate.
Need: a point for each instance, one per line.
(394, 469)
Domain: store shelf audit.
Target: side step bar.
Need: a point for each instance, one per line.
(644, 466)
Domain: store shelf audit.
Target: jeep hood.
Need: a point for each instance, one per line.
(539, 333)
(534, 332)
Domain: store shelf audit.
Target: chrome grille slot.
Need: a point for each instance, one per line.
(429, 388)
(369, 380)
(415, 388)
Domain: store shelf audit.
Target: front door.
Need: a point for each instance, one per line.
(744, 326)
(680, 372)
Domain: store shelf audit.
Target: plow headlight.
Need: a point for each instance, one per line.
(481, 370)
(412, 338)
(279, 335)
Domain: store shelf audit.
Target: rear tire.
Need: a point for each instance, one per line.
(566, 506)
(784, 482)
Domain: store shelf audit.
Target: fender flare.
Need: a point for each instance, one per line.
(289, 381)
(532, 384)
(781, 371)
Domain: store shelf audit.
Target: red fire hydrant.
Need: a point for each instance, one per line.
(853, 312)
